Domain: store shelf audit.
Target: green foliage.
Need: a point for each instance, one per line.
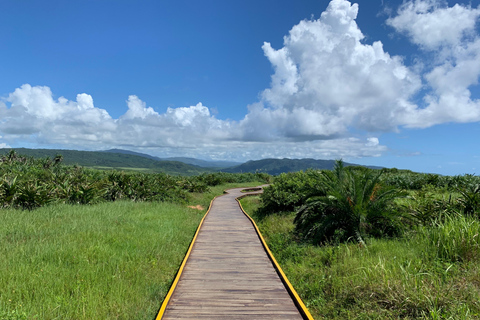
(290, 190)
(393, 278)
(351, 204)
(30, 183)
(112, 260)
(407, 180)
(8, 314)
(427, 207)
(456, 238)
(354, 202)
(279, 166)
(470, 199)
(98, 159)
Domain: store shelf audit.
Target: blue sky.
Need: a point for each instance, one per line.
(389, 83)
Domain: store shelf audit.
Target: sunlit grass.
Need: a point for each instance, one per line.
(105, 261)
(404, 278)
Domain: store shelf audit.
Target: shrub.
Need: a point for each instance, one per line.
(470, 200)
(290, 190)
(351, 204)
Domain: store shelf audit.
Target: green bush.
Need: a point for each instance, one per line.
(351, 204)
(30, 183)
(290, 190)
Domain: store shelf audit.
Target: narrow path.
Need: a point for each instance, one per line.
(228, 274)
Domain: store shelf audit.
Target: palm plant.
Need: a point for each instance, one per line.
(8, 191)
(349, 204)
(470, 199)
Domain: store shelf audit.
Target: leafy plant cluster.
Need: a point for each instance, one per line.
(408, 180)
(355, 203)
(30, 183)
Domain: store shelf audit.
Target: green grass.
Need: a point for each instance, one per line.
(205, 198)
(407, 278)
(106, 261)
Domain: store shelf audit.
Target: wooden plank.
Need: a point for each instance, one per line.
(228, 274)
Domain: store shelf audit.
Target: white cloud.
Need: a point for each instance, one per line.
(448, 35)
(327, 82)
(186, 131)
(137, 109)
(432, 24)
(33, 113)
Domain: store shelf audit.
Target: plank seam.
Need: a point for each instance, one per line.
(291, 291)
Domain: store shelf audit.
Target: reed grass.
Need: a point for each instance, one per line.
(418, 276)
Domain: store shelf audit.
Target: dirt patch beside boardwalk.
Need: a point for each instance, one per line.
(197, 207)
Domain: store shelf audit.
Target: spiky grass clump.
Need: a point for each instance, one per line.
(457, 238)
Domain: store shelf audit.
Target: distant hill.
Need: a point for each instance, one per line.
(135, 161)
(192, 161)
(205, 163)
(112, 160)
(122, 151)
(277, 166)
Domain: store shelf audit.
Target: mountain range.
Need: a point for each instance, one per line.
(130, 160)
(277, 166)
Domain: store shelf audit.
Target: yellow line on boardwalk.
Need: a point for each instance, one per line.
(296, 298)
(179, 273)
(298, 304)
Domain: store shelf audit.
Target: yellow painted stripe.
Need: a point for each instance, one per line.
(179, 273)
(296, 298)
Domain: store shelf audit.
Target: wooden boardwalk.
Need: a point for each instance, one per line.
(228, 274)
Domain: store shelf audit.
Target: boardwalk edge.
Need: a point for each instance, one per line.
(293, 294)
(182, 266)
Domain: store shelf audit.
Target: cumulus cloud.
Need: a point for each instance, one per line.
(450, 37)
(432, 24)
(327, 82)
(32, 114)
(137, 109)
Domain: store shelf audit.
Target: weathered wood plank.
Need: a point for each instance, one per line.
(228, 274)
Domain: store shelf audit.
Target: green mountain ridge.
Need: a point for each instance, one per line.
(192, 161)
(278, 166)
(129, 160)
(111, 160)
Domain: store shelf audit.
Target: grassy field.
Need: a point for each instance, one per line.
(105, 261)
(431, 273)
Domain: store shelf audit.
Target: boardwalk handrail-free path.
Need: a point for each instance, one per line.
(228, 274)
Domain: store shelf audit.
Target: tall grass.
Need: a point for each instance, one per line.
(403, 278)
(457, 238)
(105, 261)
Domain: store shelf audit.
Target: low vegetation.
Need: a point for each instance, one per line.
(359, 244)
(114, 160)
(104, 261)
(356, 243)
(30, 183)
(79, 243)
